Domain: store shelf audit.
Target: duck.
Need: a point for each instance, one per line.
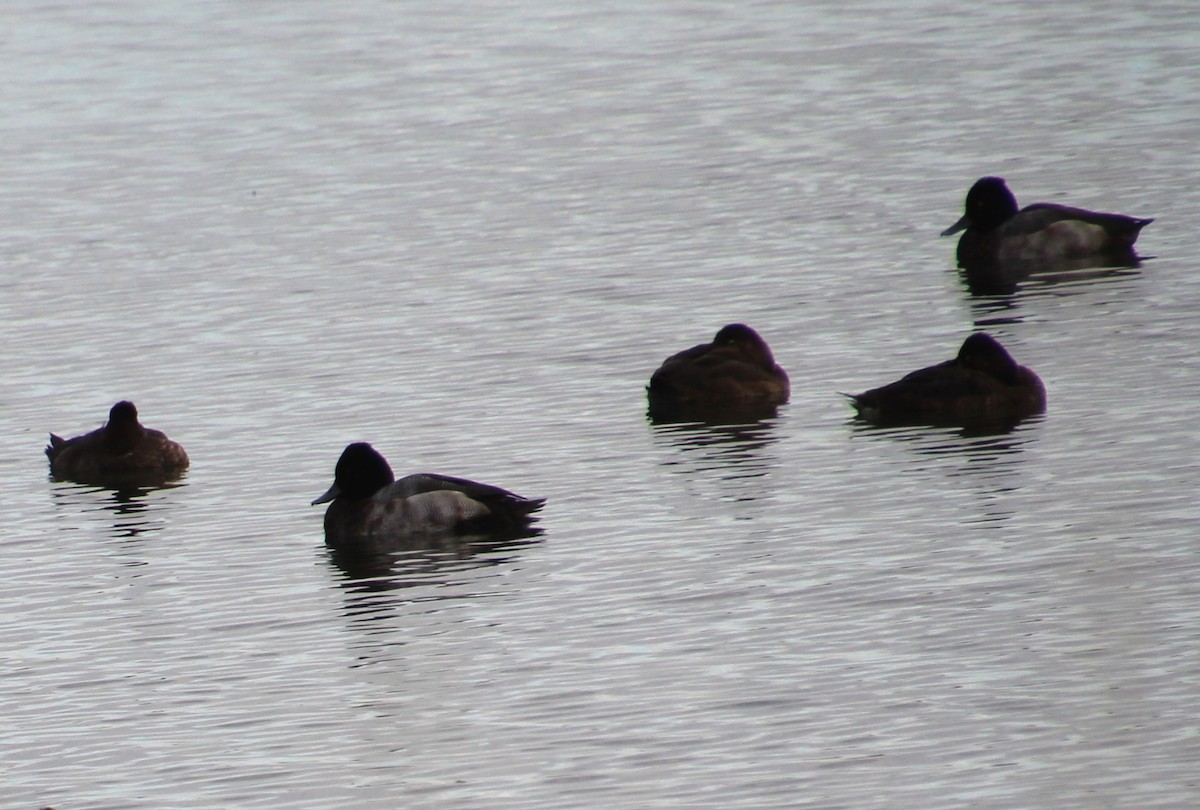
(122, 452)
(982, 384)
(995, 231)
(736, 371)
(367, 503)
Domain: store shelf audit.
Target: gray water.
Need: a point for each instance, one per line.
(468, 233)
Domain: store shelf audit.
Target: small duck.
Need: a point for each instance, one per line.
(121, 453)
(983, 384)
(735, 372)
(996, 232)
(367, 503)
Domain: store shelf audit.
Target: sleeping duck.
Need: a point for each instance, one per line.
(121, 453)
(982, 384)
(735, 372)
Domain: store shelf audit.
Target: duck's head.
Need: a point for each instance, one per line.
(123, 430)
(982, 352)
(123, 413)
(746, 340)
(989, 204)
(360, 473)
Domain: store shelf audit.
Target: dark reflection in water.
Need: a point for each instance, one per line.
(429, 560)
(990, 459)
(981, 427)
(921, 433)
(1008, 279)
(1005, 308)
(740, 450)
(132, 509)
(660, 414)
(379, 579)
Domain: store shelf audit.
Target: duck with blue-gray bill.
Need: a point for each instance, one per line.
(997, 232)
(367, 503)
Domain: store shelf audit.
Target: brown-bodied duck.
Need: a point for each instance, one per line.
(736, 371)
(122, 452)
(982, 384)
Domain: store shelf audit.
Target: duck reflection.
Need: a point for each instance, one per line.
(735, 450)
(429, 560)
(382, 581)
(992, 278)
(719, 418)
(942, 439)
(912, 428)
(989, 458)
(1002, 301)
(129, 508)
(917, 430)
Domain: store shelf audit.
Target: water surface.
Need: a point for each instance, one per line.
(468, 234)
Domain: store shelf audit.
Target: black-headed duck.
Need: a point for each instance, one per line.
(982, 384)
(367, 503)
(997, 232)
(121, 453)
(736, 371)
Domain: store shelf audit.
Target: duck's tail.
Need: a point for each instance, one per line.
(513, 515)
(522, 509)
(855, 400)
(1132, 228)
(57, 443)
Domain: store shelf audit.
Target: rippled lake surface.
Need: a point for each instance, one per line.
(467, 233)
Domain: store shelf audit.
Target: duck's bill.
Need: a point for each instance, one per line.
(961, 225)
(329, 495)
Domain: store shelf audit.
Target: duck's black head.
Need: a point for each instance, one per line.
(990, 202)
(123, 430)
(360, 473)
(123, 413)
(989, 205)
